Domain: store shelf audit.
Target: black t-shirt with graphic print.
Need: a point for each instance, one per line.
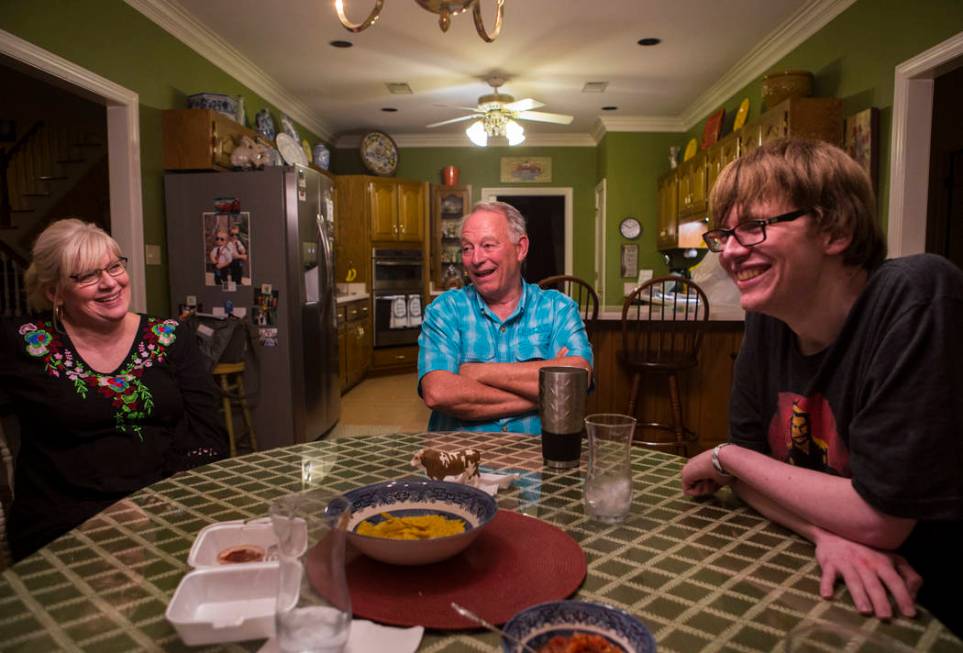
(883, 405)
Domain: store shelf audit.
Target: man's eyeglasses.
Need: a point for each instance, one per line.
(89, 278)
(748, 233)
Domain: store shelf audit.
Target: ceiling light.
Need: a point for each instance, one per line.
(594, 87)
(389, 109)
(610, 108)
(514, 132)
(476, 133)
(399, 88)
(444, 8)
(340, 44)
(650, 41)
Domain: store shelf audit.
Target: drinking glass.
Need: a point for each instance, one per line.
(608, 480)
(313, 612)
(811, 637)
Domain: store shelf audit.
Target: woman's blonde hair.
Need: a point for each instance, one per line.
(65, 247)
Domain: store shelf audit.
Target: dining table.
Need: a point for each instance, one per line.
(705, 574)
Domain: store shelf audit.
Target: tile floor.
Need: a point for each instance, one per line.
(390, 403)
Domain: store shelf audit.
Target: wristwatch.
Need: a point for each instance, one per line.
(715, 460)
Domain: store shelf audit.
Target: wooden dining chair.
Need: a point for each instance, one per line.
(583, 294)
(663, 322)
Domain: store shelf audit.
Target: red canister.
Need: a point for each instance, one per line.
(449, 176)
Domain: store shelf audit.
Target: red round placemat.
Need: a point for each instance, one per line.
(516, 562)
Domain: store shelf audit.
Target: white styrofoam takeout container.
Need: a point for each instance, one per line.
(215, 538)
(228, 603)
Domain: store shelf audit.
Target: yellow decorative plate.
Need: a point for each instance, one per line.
(690, 150)
(306, 146)
(741, 114)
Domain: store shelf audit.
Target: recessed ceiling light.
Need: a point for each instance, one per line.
(594, 87)
(389, 109)
(650, 41)
(399, 88)
(610, 108)
(340, 44)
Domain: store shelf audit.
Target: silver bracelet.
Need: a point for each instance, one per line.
(716, 464)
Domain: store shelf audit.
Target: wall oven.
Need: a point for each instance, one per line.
(397, 279)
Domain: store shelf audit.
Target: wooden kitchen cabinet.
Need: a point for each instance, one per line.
(719, 156)
(200, 139)
(449, 204)
(692, 185)
(396, 210)
(668, 210)
(352, 260)
(354, 342)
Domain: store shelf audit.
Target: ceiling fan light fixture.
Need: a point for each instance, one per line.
(444, 8)
(514, 132)
(477, 134)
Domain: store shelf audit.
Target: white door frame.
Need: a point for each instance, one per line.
(600, 231)
(910, 150)
(491, 195)
(123, 149)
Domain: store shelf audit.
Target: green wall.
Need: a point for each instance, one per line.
(480, 167)
(855, 57)
(114, 41)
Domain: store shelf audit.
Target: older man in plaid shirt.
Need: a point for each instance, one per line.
(481, 346)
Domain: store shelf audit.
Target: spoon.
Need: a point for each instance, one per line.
(468, 614)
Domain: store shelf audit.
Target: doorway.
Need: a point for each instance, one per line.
(944, 215)
(548, 212)
(123, 146)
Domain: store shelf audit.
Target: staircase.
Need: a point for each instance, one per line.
(47, 172)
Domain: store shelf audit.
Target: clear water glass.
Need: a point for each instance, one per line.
(608, 480)
(313, 611)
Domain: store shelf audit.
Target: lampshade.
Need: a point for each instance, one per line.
(514, 132)
(476, 133)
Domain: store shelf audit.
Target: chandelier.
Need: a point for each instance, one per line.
(496, 122)
(444, 8)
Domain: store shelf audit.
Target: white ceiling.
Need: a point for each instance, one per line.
(547, 50)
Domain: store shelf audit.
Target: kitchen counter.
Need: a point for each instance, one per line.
(351, 297)
(717, 313)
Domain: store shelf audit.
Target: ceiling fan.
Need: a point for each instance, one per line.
(496, 114)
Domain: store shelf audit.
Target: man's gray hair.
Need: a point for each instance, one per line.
(516, 221)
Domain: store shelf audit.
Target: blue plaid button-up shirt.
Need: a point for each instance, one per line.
(459, 327)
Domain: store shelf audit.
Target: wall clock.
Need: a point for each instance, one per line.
(379, 153)
(630, 228)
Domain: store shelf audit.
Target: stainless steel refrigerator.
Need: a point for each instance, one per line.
(259, 244)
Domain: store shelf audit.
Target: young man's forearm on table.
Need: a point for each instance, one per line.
(467, 399)
(820, 499)
(517, 378)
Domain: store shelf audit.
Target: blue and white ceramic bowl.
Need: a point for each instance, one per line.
(216, 101)
(410, 497)
(536, 625)
(265, 125)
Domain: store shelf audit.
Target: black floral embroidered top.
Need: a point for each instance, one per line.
(90, 438)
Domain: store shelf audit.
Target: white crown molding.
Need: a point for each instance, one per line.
(349, 141)
(642, 124)
(170, 16)
(805, 22)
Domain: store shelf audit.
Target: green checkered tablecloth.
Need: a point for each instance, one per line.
(703, 576)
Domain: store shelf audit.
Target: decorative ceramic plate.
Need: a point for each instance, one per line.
(290, 150)
(741, 114)
(306, 146)
(379, 153)
(287, 126)
(322, 156)
(690, 149)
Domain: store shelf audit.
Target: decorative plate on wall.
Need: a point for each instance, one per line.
(741, 115)
(379, 153)
(690, 149)
(290, 150)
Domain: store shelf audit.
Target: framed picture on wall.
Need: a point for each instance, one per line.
(862, 143)
(526, 169)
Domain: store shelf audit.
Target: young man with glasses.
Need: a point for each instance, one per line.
(844, 412)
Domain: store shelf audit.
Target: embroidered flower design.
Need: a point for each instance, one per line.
(130, 399)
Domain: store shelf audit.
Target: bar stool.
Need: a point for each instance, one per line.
(230, 376)
(663, 321)
(583, 294)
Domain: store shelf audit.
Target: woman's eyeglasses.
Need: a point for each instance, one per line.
(89, 278)
(748, 233)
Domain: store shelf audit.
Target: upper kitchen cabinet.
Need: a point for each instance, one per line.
(396, 210)
(352, 244)
(668, 210)
(692, 185)
(719, 156)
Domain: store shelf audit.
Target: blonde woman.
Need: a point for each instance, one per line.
(109, 401)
